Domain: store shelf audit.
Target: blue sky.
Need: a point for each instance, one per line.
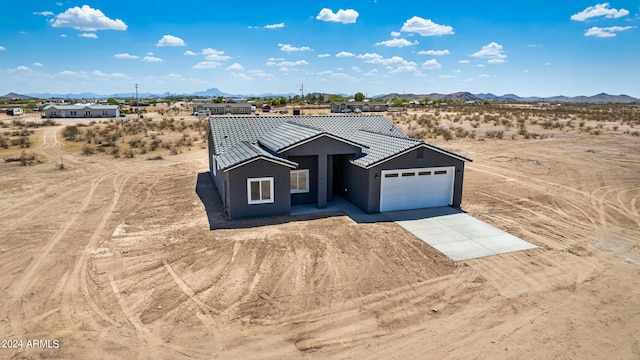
(540, 48)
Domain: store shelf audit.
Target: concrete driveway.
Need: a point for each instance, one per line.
(457, 234)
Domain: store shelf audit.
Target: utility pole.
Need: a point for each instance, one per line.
(137, 103)
(302, 98)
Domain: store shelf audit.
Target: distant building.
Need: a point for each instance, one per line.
(81, 111)
(222, 108)
(358, 106)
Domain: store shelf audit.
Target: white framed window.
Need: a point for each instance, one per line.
(260, 190)
(300, 181)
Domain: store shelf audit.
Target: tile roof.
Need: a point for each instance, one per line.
(287, 134)
(246, 151)
(379, 137)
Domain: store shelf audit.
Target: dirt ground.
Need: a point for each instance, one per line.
(115, 259)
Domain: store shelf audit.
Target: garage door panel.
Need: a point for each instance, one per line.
(405, 189)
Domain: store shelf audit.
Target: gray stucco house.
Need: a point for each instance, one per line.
(262, 165)
(81, 111)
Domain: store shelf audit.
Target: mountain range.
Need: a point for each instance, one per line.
(458, 96)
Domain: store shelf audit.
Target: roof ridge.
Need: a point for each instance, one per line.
(389, 135)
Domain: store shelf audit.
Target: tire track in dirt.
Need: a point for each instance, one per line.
(25, 280)
(78, 278)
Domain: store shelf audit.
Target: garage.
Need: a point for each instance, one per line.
(405, 189)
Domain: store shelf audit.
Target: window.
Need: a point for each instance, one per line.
(300, 181)
(391, 175)
(408, 174)
(424, 173)
(260, 190)
(87, 113)
(104, 113)
(440, 172)
(73, 113)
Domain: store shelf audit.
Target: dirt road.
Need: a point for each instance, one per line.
(113, 258)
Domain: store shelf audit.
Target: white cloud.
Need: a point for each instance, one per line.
(547, 64)
(447, 77)
(356, 69)
(22, 68)
(206, 65)
(324, 55)
(86, 18)
(235, 66)
(43, 13)
(170, 40)
(260, 73)
(480, 65)
(599, 10)
(88, 35)
(348, 16)
(432, 64)
(38, 64)
(396, 33)
(456, 71)
(345, 54)
(463, 61)
(426, 27)
(2, 48)
(434, 52)
(484, 76)
(105, 76)
(63, 35)
(607, 31)
(126, 56)
(274, 26)
(397, 43)
(493, 52)
(287, 63)
(189, 53)
(240, 76)
(152, 59)
(290, 48)
(214, 55)
(394, 64)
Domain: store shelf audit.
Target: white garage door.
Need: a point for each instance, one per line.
(406, 189)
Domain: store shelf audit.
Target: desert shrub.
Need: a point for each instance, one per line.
(25, 159)
(70, 132)
(129, 154)
(157, 157)
(22, 142)
(4, 142)
(88, 150)
(498, 134)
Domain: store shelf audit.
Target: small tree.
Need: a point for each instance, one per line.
(358, 96)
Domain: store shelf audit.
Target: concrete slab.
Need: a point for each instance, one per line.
(457, 234)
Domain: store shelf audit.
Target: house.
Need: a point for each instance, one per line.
(263, 165)
(81, 111)
(362, 106)
(223, 108)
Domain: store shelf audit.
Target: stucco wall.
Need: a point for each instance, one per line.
(238, 205)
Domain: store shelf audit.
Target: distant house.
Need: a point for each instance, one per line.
(223, 108)
(263, 165)
(81, 111)
(361, 106)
